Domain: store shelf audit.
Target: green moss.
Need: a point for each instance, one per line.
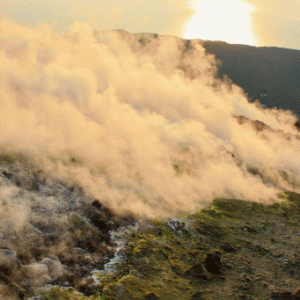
(226, 240)
(172, 265)
(162, 263)
(104, 277)
(181, 166)
(11, 158)
(208, 225)
(291, 199)
(232, 207)
(56, 293)
(131, 287)
(142, 248)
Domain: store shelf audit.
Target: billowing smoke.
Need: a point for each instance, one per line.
(139, 122)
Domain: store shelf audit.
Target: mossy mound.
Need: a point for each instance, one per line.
(56, 293)
(232, 250)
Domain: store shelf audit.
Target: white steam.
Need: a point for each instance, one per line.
(139, 121)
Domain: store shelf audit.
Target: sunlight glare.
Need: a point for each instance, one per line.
(221, 20)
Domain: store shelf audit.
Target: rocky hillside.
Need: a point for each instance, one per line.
(233, 249)
(269, 74)
(51, 233)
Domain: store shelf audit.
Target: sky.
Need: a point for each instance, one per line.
(252, 22)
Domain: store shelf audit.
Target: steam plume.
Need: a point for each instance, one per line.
(139, 121)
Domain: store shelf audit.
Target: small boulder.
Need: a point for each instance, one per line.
(97, 204)
(86, 285)
(282, 295)
(198, 271)
(36, 274)
(35, 270)
(151, 296)
(145, 226)
(175, 225)
(296, 294)
(227, 247)
(79, 250)
(8, 260)
(198, 295)
(54, 266)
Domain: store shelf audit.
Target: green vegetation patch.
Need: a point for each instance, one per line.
(234, 249)
(57, 293)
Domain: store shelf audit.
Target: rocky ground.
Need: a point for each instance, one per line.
(50, 234)
(56, 243)
(232, 250)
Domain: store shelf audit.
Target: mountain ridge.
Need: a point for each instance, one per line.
(270, 74)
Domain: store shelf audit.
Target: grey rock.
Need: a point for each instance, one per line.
(35, 270)
(79, 251)
(55, 267)
(175, 225)
(8, 259)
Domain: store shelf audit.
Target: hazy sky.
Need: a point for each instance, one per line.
(257, 22)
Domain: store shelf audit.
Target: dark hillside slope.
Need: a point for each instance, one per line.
(271, 75)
